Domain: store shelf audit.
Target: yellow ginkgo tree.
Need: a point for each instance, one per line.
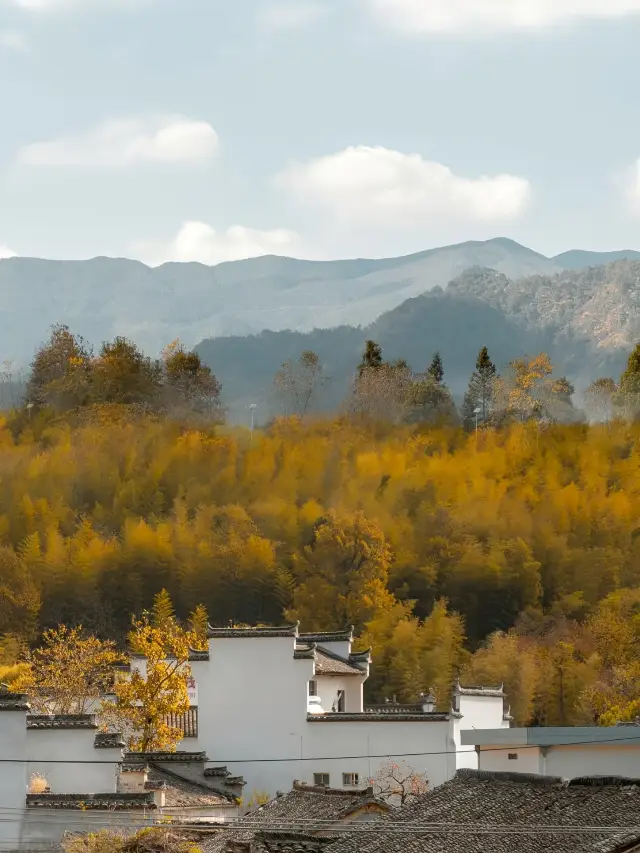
(156, 692)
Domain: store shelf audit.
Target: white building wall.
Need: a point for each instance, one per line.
(567, 761)
(328, 686)
(427, 746)
(13, 776)
(252, 703)
(38, 831)
(570, 762)
(46, 747)
(481, 712)
(528, 759)
(327, 747)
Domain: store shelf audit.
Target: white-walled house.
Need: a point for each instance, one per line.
(569, 752)
(91, 783)
(274, 705)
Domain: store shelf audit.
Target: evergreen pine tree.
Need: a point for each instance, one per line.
(436, 370)
(372, 357)
(479, 391)
(162, 612)
(628, 397)
(199, 624)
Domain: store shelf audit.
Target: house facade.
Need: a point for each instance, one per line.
(274, 705)
(569, 752)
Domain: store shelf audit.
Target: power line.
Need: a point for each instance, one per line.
(381, 826)
(504, 748)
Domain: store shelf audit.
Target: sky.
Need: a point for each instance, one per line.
(211, 130)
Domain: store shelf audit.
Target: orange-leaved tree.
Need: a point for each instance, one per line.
(398, 782)
(146, 701)
(69, 672)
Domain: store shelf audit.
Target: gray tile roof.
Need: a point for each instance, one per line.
(62, 721)
(178, 757)
(107, 802)
(383, 716)
(296, 812)
(475, 806)
(497, 692)
(329, 636)
(328, 663)
(109, 740)
(282, 631)
(12, 701)
(184, 793)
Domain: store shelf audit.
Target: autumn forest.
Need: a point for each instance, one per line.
(497, 540)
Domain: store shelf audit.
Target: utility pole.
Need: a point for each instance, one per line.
(476, 412)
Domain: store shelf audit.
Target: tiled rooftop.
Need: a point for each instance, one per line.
(296, 812)
(328, 663)
(62, 721)
(329, 636)
(183, 793)
(84, 802)
(230, 633)
(480, 811)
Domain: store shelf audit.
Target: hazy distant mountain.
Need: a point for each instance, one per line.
(456, 326)
(577, 259)
(587, 320)
(103, 297)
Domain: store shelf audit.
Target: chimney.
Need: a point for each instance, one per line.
(428, 701)
(132, 778)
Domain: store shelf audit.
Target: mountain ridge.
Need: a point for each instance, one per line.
(103, 297)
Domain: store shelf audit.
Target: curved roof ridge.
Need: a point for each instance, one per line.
(346, 635)
(256, 631)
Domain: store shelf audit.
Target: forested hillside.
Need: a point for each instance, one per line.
(506, 548)
(588, 320)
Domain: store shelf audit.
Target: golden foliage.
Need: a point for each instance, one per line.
(68, 673)
(527, 533)
(146, 699)
(147, 840)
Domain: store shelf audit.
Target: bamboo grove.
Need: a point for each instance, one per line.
(504, 554)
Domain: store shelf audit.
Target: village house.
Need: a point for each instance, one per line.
(291, 705)
(566, 751)
(60, 773)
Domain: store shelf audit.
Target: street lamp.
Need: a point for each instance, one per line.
(476, 412)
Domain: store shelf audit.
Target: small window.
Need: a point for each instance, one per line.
(321, 779)
(313, 688)
(512, 756)
(350, 780)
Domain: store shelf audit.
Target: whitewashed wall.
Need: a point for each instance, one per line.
(13, 776)
(46, 747)
(529, 760)
(40, 830)
(569, 761)
(329, 685)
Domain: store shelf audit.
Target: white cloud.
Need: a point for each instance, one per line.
(197, 241)
(125, 142)
(364, 186)
(290, 15)
(13, 40)
(416, 17)
(5, 252)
